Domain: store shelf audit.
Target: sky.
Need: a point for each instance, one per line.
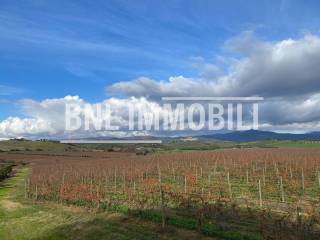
(53, 52)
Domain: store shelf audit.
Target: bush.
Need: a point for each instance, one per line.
(14, 150)
(5, 171)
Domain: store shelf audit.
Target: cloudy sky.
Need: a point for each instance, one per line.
(121, 52)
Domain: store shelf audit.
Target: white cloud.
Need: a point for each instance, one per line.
(47, 118)
(205, 69)
(13, 127)
(268, 69)
(286, 111)
(175, 86)
(286, 73)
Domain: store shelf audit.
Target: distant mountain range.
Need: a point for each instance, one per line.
(237, 136)
(257, 135)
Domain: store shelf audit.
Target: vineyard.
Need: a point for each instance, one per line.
(251, 193)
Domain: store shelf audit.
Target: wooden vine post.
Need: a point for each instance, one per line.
(185, 185)
(299, 217)
(163, 216)
(36, 197)
(302, 180)
(260, 193)
(247, 177)
(229, 185)
(281, 190)
(25, 188)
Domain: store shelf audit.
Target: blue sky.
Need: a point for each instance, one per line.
(54, 48)
(50, 49)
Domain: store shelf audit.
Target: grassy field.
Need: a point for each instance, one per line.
(174, 145)
(26, 145)
(22, 219)
(27, 218)
(51, 146)
(295, 144)
(214, 192)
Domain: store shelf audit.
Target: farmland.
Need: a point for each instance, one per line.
(22, 219)
(232, 193)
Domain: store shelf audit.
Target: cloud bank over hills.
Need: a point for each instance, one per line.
(286, 73)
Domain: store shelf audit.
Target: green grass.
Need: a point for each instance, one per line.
(174, 145)
(26, 145)
(295, 144)
(9, 185)
(21, 219)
